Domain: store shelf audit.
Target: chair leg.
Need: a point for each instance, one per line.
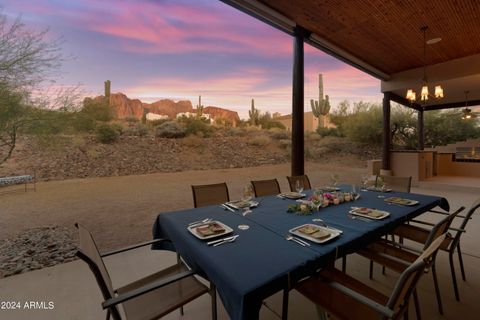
(454, 277)
(321, 313)
(405, 315)
(108, 314)
(417, 305)
(460, 260)
(437, 289)
(181, 311)
(371, 270)
(285, 304)
(213, 296)
(344, 264)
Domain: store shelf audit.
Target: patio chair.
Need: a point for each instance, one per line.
(451, 243)
(292, 180)
(151, 297)
(394, 255)
(345, 297)
(210, 194)
(265, 187)
(399, 184)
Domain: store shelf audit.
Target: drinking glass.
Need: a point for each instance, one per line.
(298, 186)
(248, 195)
(364, 182)
(334, 180)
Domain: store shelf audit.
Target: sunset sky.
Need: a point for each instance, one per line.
(179, 49)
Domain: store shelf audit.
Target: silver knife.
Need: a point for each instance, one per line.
(220, 240)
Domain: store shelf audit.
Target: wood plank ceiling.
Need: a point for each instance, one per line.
(386, 34)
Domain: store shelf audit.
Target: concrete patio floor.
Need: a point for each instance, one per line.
(74, 293)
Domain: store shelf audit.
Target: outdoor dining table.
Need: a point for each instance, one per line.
(261, 262)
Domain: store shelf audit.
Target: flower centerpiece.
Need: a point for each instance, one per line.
(304, 208)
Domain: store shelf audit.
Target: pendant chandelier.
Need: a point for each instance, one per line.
(424, 93)
(467, 112)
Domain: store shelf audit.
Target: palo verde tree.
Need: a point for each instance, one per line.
(27, 60)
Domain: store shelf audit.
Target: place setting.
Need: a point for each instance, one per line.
(246, 203)
(294, 195)
(208, 229)
(363, 213)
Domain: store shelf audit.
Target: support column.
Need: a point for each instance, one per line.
(386, 132)
(298, 165)
(421, 132)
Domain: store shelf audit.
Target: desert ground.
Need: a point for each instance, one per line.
(121, 210)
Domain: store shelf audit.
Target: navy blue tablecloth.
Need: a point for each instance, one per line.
(261, 262)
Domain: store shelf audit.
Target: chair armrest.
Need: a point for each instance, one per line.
(403, 246)
(363, 299)
(432, 224)
(439, 212)
(446, 214)
(135, 246)
(145, 289)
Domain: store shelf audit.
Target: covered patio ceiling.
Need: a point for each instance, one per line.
(383, 38)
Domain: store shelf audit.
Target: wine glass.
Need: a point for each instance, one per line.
(364, 182)
(247, 196)
(334, 180)
(298, 186)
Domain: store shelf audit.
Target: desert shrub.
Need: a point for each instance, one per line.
(223, 122)
(285, 143)
(196, 126)
(236, 132)
(81, 122)
(131, 120)
(312, 136)
(139, 130)
(266, 121)
(97, 109)
(324, 132)
(156, 123)
(278, 134)
(107, 134)
(170, 129)
(259, 141)
(117, 127)
(253, 130)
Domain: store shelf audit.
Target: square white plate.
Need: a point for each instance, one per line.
(240, 204)
(401, 201)
(292, 195)
(193, 230)
(333, 233)
(383, 216)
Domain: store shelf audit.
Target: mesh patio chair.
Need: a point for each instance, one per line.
(210, 194)
(345, 297)
(400, 184)
(151, 297)
(451, 243)
(395, 255)
(265, 187)
(292, 180)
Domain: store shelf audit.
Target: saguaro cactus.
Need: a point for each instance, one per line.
(253, 114)
(107, 89)
(322, 106)
(199, 107)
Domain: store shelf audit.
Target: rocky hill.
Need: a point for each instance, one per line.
(123, 107)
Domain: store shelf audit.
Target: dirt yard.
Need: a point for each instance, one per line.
(121, 210)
